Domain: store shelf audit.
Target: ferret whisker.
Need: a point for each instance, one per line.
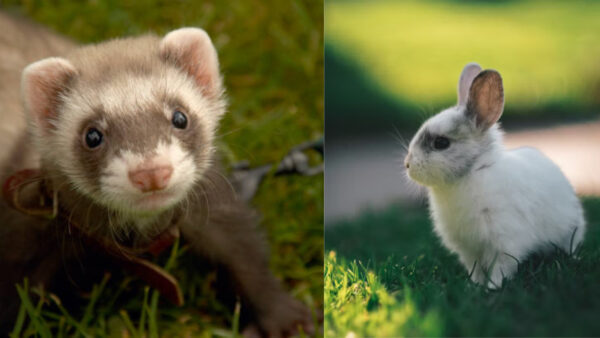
(207, 217)
(186, 206)
(65, 233)
(78, 240)
(225, 179)
(220, 136)
(191, 199)
(206, 184)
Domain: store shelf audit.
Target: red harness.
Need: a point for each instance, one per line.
(128, 257)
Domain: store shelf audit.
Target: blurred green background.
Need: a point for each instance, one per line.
(271, 55)
(389, 65)
(394, 62)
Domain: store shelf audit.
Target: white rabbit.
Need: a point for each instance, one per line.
(491, 206)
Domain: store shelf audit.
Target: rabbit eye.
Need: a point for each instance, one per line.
(441, 143)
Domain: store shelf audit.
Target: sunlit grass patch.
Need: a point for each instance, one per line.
(357, 303)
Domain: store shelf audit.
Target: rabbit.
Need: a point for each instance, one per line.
(489, 205)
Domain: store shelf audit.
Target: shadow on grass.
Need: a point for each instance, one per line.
(550, 296)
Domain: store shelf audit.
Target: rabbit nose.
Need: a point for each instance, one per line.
(406, 161)
(151, 178)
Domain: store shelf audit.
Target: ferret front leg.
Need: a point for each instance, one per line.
(234, 242)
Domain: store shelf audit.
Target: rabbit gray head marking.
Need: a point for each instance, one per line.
(448, 144)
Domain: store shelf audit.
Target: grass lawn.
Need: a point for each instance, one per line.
(271, 54)
(386, 274)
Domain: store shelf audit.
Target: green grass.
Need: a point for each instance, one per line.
(389, 267)
(413, 51)
(271, 54)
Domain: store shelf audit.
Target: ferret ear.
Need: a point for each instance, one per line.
(486, 99)
(42, 83)
(192, 50)
(464, 83)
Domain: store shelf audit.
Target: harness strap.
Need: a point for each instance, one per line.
(47, 207)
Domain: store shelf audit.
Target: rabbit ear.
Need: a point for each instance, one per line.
(464, 83)
(486, 99)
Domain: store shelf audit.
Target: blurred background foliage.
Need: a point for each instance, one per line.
(402, 59)
(271, 55)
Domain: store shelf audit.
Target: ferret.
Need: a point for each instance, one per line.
(124, 132)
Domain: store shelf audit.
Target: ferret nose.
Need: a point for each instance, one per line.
(151, 179)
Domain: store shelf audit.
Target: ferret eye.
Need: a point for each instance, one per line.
(179, 120)
(93, 138)
(441, 143)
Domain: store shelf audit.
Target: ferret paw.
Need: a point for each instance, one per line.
(285, 318)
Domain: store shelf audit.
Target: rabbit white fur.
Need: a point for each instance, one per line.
(491, 206)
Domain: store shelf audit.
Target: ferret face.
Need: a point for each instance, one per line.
(129, 123)
(135, 144)
(444, 149)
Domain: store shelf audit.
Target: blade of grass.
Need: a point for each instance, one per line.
(109, 306)
(37, 321)
(128, 323)
(66, 316)
(19, 322)
(89, 310)
(173, 256)
(152, 318)
(144, 313)
(236, 319)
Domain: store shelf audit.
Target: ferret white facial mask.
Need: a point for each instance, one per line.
(133, 138)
